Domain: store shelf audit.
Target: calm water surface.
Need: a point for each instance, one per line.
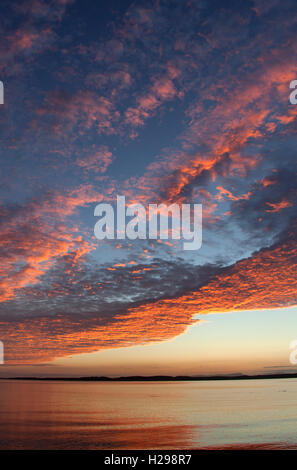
(148, 415)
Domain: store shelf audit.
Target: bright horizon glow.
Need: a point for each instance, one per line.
(236, 342)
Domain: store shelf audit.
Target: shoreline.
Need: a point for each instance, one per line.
(157, 378)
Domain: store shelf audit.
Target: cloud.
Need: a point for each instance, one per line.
(35, 31)
(193, 102)
(39, 9)
(97, 162)
(265, 280)
(278, 206)
(162, 90)
(82, 109)
(34, 235)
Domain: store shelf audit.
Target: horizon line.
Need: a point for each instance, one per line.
(160, 378)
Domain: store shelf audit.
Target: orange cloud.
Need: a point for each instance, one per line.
(34, 236)
(267, 182)
(97, 162)
(223, 191)
(266, 280)
(84, 109)
(278, 206)
(162, 90)
(239, 115)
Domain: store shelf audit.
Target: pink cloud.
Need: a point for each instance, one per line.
(162, 90)
(97, 162)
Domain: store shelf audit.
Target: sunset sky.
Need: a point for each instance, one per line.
(162, 101)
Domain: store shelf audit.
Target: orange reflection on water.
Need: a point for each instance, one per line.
(142, 415)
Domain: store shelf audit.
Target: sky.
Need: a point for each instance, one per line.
(173, 102)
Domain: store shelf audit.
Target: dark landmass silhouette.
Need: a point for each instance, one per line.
(160, 378)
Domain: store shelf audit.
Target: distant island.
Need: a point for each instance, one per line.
(160, 378)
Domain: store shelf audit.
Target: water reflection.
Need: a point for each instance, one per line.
(148, 415)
